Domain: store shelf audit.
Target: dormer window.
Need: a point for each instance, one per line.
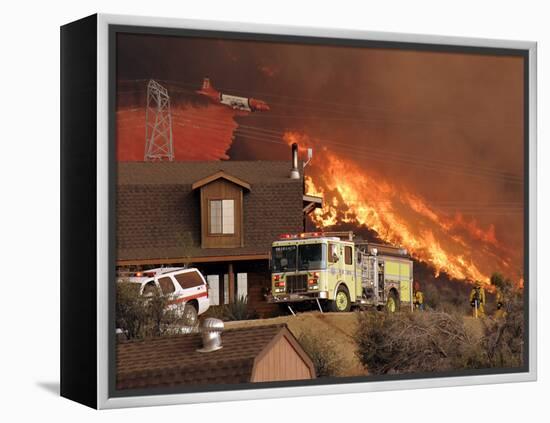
(222, 214)
(222, 217)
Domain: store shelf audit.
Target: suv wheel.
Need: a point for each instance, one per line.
(190, 315)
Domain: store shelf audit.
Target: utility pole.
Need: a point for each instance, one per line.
(158, 124)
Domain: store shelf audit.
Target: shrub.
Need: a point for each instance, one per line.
(217, 311)
(163, 317)
(438, 341)
(453, 300)
(371, 342)
(498, 280)
(411, 342)
(141, 316)
(504, 335)
(432, 297)
(237, 310)
(131, 310)
(323, 354)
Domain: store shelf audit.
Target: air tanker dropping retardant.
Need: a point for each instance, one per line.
(237, 103)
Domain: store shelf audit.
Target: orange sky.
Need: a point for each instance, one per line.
(444, 127)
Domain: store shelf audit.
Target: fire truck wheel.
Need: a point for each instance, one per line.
(190, 315)
(392, 304)
(342, 302)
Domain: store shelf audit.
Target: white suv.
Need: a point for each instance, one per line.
(186, 287)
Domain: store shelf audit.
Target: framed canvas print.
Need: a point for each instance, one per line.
(254, 211)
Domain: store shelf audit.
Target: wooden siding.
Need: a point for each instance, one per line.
(221, 189)
(258, 284)
(281, 362)
(258, 278)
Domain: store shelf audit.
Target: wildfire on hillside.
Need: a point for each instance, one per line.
(355, 194)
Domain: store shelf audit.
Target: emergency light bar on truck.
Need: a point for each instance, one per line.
(150, 273)
(304, 235)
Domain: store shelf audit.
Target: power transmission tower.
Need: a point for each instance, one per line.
(158, 124)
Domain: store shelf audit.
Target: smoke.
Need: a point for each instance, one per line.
(352, 195)
(446, 128)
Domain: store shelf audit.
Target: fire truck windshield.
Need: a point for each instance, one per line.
(312, 257)
(288, 258)
(284, 258)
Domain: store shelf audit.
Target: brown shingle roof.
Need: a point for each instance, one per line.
(186, 173)
(174, 360)
(158, 213)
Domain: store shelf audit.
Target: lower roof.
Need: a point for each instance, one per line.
(174, 360)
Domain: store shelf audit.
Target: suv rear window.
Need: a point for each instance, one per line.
(189, 279)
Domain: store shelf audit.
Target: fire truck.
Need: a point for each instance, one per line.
(333, 270)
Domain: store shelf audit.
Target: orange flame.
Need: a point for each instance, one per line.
(353, 194)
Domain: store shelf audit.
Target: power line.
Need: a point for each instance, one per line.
(334, 108)
(280, 134)
(367, 153)
(267, 135)
(370, 152)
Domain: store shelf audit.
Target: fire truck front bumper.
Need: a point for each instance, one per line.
(289, 298)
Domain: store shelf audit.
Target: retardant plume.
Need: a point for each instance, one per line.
(199, 133)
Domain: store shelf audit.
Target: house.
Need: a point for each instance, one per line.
(252, 354)
(219, 216)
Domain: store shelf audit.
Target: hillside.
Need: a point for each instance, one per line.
(339, 330)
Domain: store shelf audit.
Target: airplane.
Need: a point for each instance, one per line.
(237, 103)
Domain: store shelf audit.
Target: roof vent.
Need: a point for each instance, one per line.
(211, 330)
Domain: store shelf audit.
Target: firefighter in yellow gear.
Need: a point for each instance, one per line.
(418, 297)
(477, 300)
(500, 312)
